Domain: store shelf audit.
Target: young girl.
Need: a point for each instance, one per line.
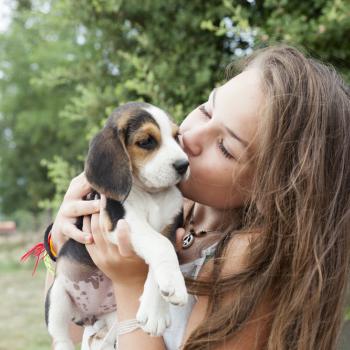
(270, 177)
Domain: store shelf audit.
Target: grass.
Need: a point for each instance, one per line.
(22, 324)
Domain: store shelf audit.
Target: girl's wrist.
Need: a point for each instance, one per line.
(57, 239)
(128, 276)
(128, 300)
(129, 290)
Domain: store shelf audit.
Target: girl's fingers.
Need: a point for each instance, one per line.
(77, 208)
(71, 231)
(103, 201)
(97, 233)
(95, 224)
(123, 238)
(87, 224)
(78, 188)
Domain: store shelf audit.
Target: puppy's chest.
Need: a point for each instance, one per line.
(158, 209)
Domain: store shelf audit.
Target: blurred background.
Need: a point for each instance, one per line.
(66, 64)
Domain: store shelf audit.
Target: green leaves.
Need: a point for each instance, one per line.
(65, 65)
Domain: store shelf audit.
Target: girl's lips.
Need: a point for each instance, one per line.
(181, 142)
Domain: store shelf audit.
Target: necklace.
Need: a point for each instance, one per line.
(188, 238)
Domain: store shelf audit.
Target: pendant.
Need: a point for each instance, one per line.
(187, 240)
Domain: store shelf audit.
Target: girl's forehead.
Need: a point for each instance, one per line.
(245, 86)
(238, 102)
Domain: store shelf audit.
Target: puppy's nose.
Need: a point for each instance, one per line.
(181, 166)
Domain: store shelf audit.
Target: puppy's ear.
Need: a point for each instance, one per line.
(108, 166)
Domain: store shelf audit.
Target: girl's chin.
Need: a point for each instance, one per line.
(189, 190)
(184, 186)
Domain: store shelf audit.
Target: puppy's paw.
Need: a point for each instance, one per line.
(99, 342)
(172, 285)
(153, 319)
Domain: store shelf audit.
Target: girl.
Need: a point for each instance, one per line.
(266, 242)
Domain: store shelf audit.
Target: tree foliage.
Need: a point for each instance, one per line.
(65, 65)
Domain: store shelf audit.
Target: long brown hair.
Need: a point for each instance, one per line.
(300, 204)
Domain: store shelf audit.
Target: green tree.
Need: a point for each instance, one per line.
(65, 65)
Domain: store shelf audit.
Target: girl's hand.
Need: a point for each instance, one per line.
(118, 262)
(72, 207)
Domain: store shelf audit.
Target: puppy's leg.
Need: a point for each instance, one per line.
(105, 338)
(160, 254)
(153, 313)
(111, 322)
(59, 316)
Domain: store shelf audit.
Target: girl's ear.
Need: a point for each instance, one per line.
(108, 166)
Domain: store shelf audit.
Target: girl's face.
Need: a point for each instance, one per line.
(218, 139)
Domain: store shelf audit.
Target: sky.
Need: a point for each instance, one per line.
(5, 13)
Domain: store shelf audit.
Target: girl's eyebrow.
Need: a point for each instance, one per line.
(233, 134)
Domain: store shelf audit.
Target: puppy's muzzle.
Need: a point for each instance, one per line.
(181, 166)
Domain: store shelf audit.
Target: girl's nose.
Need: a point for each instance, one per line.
(192, 142)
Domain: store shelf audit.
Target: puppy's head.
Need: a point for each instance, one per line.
(138, 143)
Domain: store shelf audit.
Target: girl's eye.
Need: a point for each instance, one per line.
(204, 111)
(224, 151)
(221, 146)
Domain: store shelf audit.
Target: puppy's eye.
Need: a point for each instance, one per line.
(148, 143)
(176, 137)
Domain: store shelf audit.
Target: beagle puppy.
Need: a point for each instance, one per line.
(136, 162)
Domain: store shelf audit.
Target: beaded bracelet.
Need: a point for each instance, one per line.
(43, 251)
(52, 249)
(49, 264)
(127, 326)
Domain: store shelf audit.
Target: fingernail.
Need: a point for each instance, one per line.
(97, 203)
(88, 239)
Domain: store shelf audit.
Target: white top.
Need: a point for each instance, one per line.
(173, 335)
